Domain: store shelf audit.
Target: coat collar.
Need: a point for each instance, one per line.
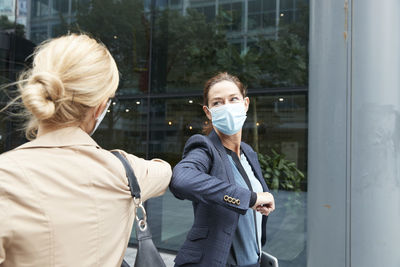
(255, 165)
(250, 155)
(67, 136)
(221, 150)
(216, 141)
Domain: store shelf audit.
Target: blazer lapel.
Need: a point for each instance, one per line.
(253, 160)
(221, 150)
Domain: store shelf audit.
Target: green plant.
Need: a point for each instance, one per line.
(280, 173)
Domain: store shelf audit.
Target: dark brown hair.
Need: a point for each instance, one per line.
(222, 76)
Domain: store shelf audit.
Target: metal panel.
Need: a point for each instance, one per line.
(328, 135)
(354, 134)
(375, 143)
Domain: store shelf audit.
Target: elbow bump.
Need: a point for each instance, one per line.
(177, 184)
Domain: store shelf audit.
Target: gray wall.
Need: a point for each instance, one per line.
(354, 133)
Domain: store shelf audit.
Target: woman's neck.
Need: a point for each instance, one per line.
(45, 128)
(232, 142)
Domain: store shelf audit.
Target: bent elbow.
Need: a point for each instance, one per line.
(178, 184)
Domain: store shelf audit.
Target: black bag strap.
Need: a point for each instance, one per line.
(132, 180)
(133, 186)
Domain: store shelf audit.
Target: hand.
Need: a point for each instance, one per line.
(265, 203)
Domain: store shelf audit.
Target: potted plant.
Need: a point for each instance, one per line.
(280, 173)
(286, 182)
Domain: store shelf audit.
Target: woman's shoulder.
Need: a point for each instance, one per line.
(12, 158)
(246, 147)
(198, 141)
(198, 138)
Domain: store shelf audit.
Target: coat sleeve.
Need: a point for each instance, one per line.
(3, 226)
(153, 175)
(6, 169)
(190, 179)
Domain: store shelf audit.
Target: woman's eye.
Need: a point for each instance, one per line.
(217, 103)
(235, 99)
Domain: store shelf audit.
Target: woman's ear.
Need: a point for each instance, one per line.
(246, 103)
(207, 112)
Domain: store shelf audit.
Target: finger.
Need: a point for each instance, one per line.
(271, 210)
(264, 210)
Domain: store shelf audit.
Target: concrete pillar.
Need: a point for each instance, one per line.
(375, 140)
(354, 133)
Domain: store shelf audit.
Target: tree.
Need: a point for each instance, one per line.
(284, 62)
(192, 46)
(8, 26)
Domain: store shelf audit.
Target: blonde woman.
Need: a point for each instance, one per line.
(65, 201)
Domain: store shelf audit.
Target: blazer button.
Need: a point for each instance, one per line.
(230, 199)
(226, 198)
(238, 202)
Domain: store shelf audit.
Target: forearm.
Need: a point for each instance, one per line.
(189, 183)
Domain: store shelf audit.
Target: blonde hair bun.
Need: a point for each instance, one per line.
(41, 94)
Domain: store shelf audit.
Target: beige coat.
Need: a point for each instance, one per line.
(64, 201)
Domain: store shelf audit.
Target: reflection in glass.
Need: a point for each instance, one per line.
(165, 53)
(124, 126)
(60, 6)
(173, 121)
(40, 8)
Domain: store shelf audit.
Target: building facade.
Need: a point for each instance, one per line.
(323, 83)
(15, 10)
(165, 51)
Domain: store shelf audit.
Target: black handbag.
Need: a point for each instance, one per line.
(147, 254)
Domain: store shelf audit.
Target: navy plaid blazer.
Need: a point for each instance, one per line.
(205, 177)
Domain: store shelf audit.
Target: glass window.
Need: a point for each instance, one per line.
(209, 12)
(269, 5)
(60, 6)
(164, 58)
(126, 36)
(262, 14)
(254, 6)
(40, 8)
(286, 17)
(6, 6)
(254, 21)
(231, 16)
(276, 127)
(39, 33)
(124, 126)
(175, 3)
(286, 4)
(269, 19)
(173, 121)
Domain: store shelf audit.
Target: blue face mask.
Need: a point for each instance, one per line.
(229, 118)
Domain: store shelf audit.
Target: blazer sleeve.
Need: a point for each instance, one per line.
(190, 179)
(153, 175)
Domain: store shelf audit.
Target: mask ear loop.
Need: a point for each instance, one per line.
(100, 117)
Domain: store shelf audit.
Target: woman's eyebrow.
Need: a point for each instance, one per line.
(216, 98)
(219, 97)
